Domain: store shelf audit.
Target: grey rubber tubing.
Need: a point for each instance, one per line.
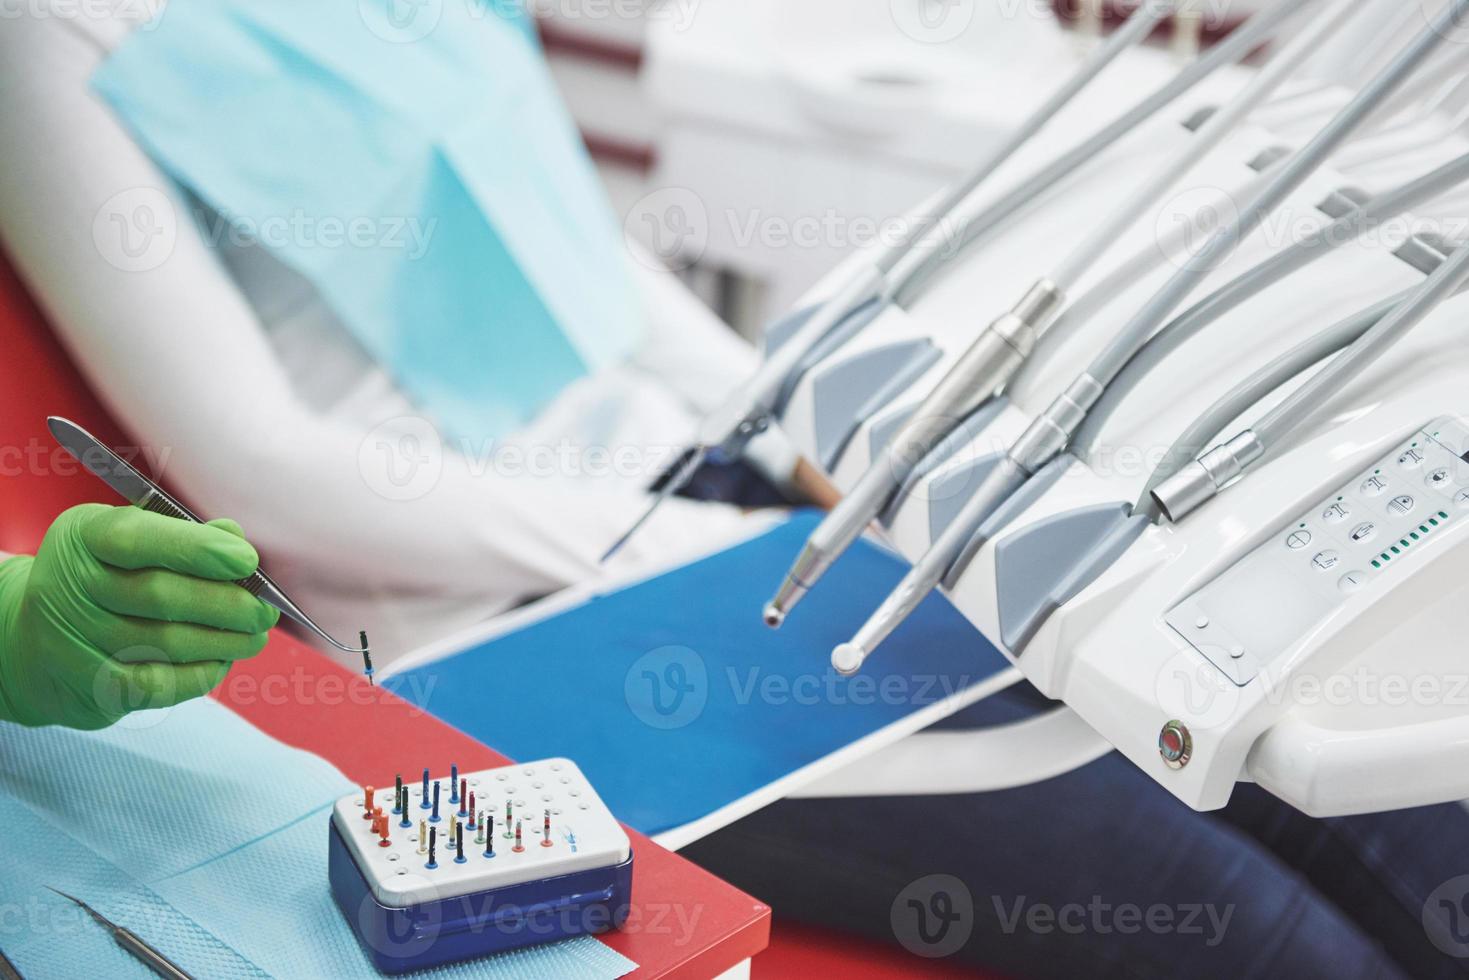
(1326, 383)
(1294, 362)
(1229, 297)
(1133, 32)
(1114, 357)
(911, 282)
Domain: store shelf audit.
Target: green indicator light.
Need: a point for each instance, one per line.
(1376, 563)
(1433, 521)
(1413, 535)
(1443, 514)
(1423, 528)
(1395, 550)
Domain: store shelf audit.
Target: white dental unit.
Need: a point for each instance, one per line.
(1303, 627)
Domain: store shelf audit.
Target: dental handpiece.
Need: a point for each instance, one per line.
(748, 412)
(1002, 348)
(1048, 436)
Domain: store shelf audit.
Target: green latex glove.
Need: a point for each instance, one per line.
(123, 609)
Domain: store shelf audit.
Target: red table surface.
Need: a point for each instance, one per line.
(301, 697)
(684, 923)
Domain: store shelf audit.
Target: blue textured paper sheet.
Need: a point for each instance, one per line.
(675, 698)
(205, 837)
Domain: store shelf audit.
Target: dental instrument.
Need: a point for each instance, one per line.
(1002, 348)
(1048, 435)
(1238, 400)
(142, 492)
(1349, 227)
(131, 943)
(1226, 463)
(919, 267)
(882, 279)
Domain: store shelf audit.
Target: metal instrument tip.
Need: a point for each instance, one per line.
(847, 658)
(775, 617)
(680, 478)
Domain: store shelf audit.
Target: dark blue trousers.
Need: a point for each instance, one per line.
(1100, 873)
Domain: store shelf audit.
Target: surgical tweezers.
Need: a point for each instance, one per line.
(142, 492)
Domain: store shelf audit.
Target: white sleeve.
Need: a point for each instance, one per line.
(179, 357)
(698, 356)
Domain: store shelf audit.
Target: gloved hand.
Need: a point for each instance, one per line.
(123, 609)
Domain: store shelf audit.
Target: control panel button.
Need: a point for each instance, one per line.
(1352, 582)
(1326, 560)
(1411, 460)
(1336, 513)
(1374, 486)
(1401, 506)
(1298, 540)
(1364, 532)
(1462, 498)
(1440, 478)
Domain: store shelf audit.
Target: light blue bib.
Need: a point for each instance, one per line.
(412, 160)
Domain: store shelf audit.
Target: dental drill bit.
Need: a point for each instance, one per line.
(366, 657)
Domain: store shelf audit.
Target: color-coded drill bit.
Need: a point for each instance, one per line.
(423, 837)
(519, 847)
(403, 807)
(434, 818)
(433, 844)
(459, 846)
(366, 657)
(546, 839)
(423, 800)
(479, 837)
(367, 792)
(454, 783)
(489, 835)
(463, 795)
(398, 794)
(471, 809)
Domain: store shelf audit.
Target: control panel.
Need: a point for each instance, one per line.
(1374, 526)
